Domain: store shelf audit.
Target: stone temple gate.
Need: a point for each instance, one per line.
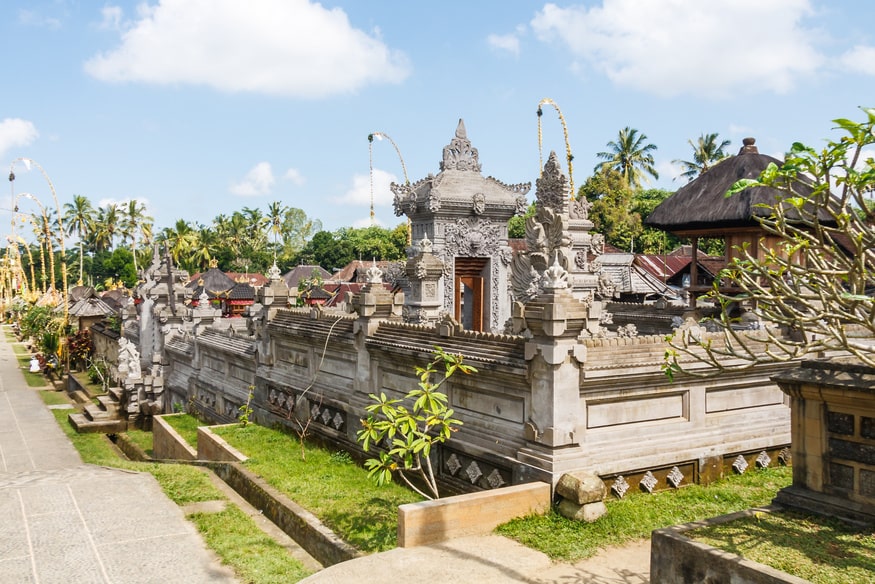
(464, 215)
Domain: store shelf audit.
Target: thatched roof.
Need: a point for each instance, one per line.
(702, 204)
(92, 306)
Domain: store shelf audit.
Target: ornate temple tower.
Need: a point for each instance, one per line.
(464, 215)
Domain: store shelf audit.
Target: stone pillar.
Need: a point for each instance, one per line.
(424, 270)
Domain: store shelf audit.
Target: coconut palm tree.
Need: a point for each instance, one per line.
(631, 156)
(275, 214)
(105, 227)
(180, 240)
(706, 153)
(135, 224)
(78, 217)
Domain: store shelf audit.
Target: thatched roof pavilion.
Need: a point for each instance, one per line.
(701, 208)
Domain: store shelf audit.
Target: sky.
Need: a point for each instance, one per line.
(203, 107)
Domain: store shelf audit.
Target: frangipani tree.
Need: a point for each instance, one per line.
(812, 294)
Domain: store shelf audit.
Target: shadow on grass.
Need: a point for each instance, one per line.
(372, 528)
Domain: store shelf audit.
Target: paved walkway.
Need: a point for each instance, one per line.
(490, 559)
(64, 521)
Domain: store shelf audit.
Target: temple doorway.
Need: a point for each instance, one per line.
(470, 292)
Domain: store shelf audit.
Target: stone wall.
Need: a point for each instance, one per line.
(318, 368)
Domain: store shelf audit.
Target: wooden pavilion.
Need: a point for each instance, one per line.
(701, 209)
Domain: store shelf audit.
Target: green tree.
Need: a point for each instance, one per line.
(652, 240)
(336, 249)
(135, 225)
(78, 218)
(413, 431)
(106, 226)
(516, 227)
(631, 156)
(706, 153)
(611, 211)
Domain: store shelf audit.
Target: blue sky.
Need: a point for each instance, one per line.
(202, 107)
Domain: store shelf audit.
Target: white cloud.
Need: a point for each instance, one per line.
(112, 18)
(31, 18)
(715, 49)
(860, 59)
(258, 181)
(504, 42)
(16, 133)
(294, 176)
(360, 193)
(279, 47)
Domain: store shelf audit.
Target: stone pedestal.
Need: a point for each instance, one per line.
(832, 408)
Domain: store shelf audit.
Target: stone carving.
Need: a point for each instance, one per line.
(453, 464)
(785, 457)
(555, 277)
(478, 203)
(606, 286)
(675, 477)
(740, 464)
(620, 487)
(375, 274)
(471, 237)
(425, 245)
(459, 154)
(648, 482)
(522, 205)
(552, 187)
(473, 471)
(763, 460)
(495, 479)
(433, 202)
(627, 330)
(128, 360)
(579, 209)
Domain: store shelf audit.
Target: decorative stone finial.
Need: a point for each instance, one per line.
(375, 274)
(555, 277)
(273, 273)
(459, 154)
(425, 245)
(551, 189)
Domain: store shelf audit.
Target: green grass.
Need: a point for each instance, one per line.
(817, 549)
(636, 515)
(328, 485)
(254, 556)
(32, 379)
(142, 439)
(186, 426)
(54, 398)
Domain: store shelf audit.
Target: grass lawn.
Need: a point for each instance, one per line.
(23, 357)
(636, 515)
(142, 439)
(186, 426)
(254, 557)
(326, 483)
(818, 549)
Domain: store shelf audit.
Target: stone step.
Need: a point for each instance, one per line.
(115, 393)
(83, 425)
(108, 403)
(96, 413)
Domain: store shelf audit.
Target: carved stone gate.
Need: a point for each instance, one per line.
(464, 215)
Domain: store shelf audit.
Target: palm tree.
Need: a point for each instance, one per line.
(205, 245)
(180, 240)
(706, 153)
(106, 226)
(631, 156)
(275, 215)
(78, 217)
(134, 222)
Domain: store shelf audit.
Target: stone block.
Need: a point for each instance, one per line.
(581, 488)
(585, 513)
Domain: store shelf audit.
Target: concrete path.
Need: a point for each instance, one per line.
(64, 521)
(491, 559)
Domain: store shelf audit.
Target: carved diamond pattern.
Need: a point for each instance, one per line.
(648, 482)
(785, 457)
(740, 464)
(453, 464)
(473, 471)
(763, 460)
(326, 416)
(620, 486)
(494, 479)
(675, 477)
(337, 421)
(315, 411)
